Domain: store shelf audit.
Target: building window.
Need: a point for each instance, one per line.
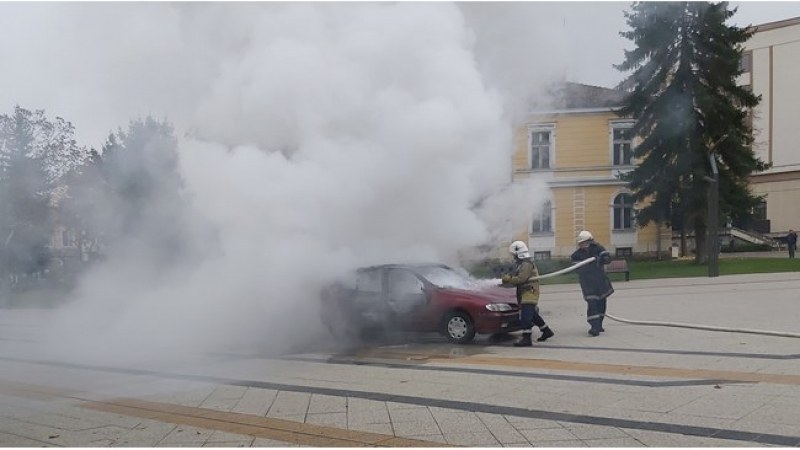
(541, 147)
(621, 144)
(541, 256)
(746, 62)
(543, 220)
(760, 210)
(749, 119)
(623, 252)
(623, 212)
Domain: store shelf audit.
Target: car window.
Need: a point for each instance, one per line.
(369, 281)
(446, 277)
(404, 282)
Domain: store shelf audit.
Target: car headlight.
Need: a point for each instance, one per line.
(497, 307)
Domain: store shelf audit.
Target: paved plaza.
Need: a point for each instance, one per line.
(634, 386)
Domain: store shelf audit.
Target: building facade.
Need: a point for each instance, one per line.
(771, 63)
(579, 147)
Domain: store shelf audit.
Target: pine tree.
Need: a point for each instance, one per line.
(24, 211)
(133, 193)
(686, 105)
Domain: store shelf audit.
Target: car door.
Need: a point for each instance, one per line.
(405, 297)
(368, 297)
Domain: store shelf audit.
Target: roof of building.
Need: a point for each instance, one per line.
(777, 24)
(578, 96)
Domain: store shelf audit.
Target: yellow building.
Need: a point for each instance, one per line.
(579, 147)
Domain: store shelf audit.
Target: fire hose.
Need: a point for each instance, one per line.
(669, 324)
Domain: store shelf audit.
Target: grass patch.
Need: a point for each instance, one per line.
(643, 270)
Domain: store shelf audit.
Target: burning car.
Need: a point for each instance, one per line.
(422, 298)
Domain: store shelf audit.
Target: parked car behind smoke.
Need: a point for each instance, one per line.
(423, 298)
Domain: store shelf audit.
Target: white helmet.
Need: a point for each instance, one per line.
(519, 249)
(584, 236)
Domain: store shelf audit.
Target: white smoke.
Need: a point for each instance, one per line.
(319, 138)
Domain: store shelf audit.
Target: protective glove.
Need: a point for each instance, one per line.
(506, 278)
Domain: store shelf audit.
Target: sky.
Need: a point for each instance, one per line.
(60, 69)
(315, 138)
(591, 53)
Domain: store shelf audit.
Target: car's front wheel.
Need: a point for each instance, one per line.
(458, 327)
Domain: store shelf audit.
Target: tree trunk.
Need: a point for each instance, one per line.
(701, 252)
(683, 235)
(658, 241)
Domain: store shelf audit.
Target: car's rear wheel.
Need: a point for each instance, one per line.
(458, 327)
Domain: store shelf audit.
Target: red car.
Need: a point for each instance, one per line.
(422, 298)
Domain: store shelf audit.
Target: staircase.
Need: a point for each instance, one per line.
(753, 238)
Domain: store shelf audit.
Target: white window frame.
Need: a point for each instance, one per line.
(619, 125)
(542, 128)
(614, 209)
(545, 212)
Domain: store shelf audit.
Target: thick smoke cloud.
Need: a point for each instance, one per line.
(314, 138)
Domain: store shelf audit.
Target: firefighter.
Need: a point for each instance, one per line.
(595, 284)
(527, 294)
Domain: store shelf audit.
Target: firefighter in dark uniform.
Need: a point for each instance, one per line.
(527, 294)
(595, 284)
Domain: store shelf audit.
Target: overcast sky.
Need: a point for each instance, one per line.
(594, 41)
(100, 64)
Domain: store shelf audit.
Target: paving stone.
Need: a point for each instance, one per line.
(777, 414)
(183, 434)
(224, 398)
(63, 422)
(229, 444)
(188, 397)
(409, 428)
(429, 437)
(255, 401)
(568, 443)
(222, 436)
(471, 439)
(453, 423)
(327, 404)
(527, 423)
(289, 404)
(34, 431)
(613, 442)
(179, 444)
(395, 406)
(410, 414)
(368, 418)
(337, 420)
(366, 411)
(501, 429)
(355, 404)
(586, 431)
(660, 439)
(10, 440)
(148, 433)
(262, 442)
(94, 437)
(380, 428)
(547, 434)
(724, 407)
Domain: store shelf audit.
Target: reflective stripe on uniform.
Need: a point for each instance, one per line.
(596, 316)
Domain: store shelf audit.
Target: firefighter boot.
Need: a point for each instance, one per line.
(547, 333)
(525, 341)
(596, 327)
